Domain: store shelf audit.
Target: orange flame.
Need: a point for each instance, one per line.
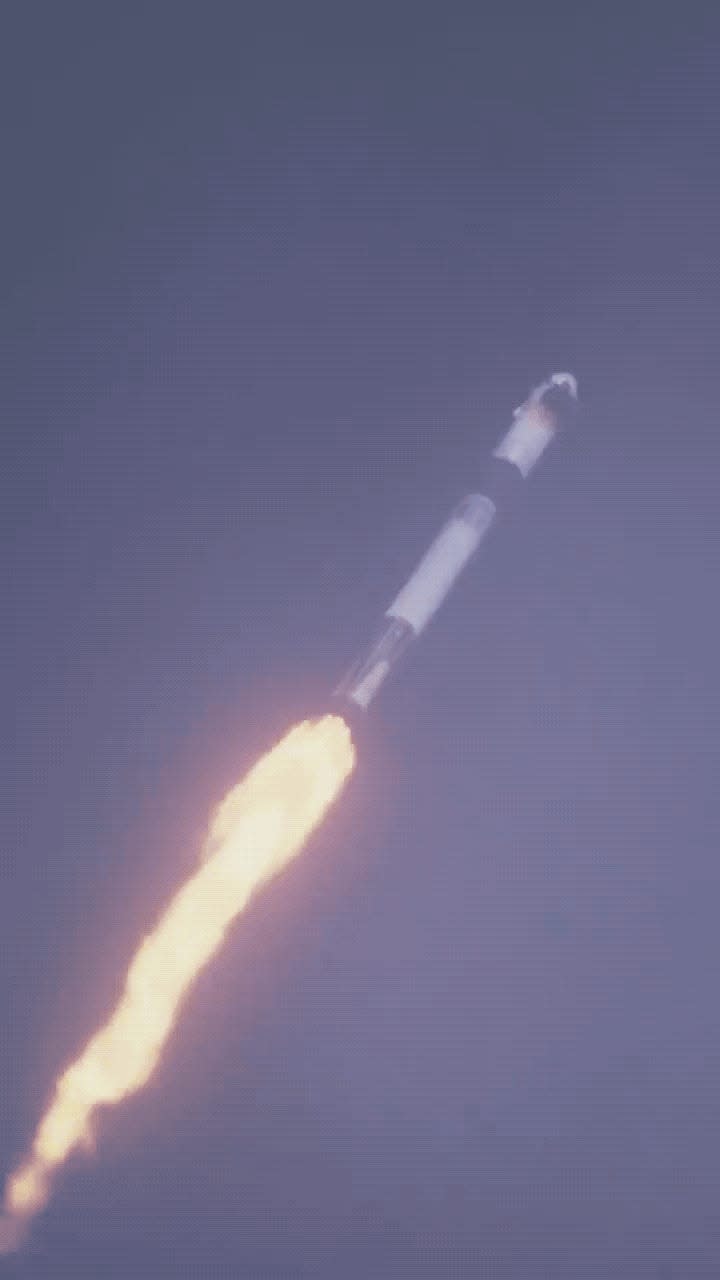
(256, 830)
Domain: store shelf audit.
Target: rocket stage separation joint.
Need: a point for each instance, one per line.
(535, 424)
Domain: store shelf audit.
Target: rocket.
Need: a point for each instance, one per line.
(535, 425)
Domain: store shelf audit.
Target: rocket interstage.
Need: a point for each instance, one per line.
(535, 424)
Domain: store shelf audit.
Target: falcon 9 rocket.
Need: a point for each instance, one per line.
(535, 424)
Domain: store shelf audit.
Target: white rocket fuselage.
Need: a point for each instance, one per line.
(534, 426)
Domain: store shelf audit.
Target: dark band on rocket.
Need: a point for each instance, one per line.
(502, 483)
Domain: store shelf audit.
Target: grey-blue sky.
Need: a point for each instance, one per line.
(273, 280)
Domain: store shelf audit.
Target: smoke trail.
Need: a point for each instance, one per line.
(258, 828)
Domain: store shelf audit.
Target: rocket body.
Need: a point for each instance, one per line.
(534, 426)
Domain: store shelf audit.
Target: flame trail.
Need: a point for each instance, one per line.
(257, 829)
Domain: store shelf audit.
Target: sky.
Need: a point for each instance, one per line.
(274, 278)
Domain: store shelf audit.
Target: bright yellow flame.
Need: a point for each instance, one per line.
(257, 829)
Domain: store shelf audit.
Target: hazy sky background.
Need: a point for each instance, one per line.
(273, 278)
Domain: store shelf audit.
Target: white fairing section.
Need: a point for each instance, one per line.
(526, 441)
(425, 591)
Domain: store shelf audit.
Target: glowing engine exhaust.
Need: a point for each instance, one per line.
(256, 831)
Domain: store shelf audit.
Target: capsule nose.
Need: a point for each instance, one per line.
(566, 380)
(559, 394)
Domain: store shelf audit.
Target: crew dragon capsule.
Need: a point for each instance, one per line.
(535, 424)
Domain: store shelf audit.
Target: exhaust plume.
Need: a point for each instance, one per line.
(257, 829)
